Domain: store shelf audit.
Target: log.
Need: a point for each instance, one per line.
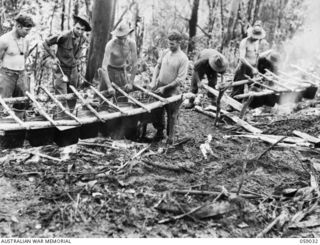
(89, 119)
(297, 80)
(234, 118)
(262, 85)
(279, 78)
(12, 114)
(26, 99)
(58, 103)
(107, 101)
(307, 137)
(254, 94)
(225, 98)
(293, 141)
(245, 107)
(150, 93)
(305, 72)
(211, 193)
(86, 104)
(41, 111)
(130, 97)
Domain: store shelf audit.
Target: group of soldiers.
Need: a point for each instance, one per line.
(169, 74)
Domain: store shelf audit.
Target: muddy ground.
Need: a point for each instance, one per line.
(104, 191)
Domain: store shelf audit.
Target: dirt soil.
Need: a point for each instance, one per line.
(104, 191)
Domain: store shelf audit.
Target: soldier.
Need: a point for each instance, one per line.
(209, 62)
(118, 51)
(170, 72)
(70, 45)
(14, 49)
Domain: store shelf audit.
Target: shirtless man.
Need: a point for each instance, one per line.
(14, 49)
(118, 51)
(169, 74)
(249, 52)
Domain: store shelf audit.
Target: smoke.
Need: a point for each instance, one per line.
(303, 48)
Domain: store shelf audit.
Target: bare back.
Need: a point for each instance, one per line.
(13, 51)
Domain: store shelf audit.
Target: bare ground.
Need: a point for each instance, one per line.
(105, 192)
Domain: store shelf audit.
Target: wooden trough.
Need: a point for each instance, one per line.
(66, 128)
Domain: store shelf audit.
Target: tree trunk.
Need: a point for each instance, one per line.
(222, 25)
(69, 13)
(256, 10)
(63, 14)
(76, 7)
(234, 8)
(102, 23)
(193, 22)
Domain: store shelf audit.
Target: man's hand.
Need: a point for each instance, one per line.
(255, 71)
(111, 91)
(128, 87)
(56, 61)
(160, 90)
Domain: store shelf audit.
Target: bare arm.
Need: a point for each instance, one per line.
(134, 58)
(3, 48)
(104, 69)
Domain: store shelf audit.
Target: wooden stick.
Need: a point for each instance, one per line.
(297, 80)
(107, 101)
(41, 111)
(307, 137)
(282, 216)
(245, 107)
(173, 168)
(150, 93)
(12, 114)
(211, 193)
(86, 104)
(279, 78)
(25, 99)
(261, 84)
(58, 103)
(131, 98)
(305, 72)
(234, 118)
(254, 94)
(270, 148)
(221, 92)
(226, 99)
(39, 154)
(90, 119)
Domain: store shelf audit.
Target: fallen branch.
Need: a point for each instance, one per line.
(270, 148)
(212, 193)
(284, 215)
(40, 155)
(173, 168)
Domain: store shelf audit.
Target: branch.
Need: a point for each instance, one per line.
(204, 32)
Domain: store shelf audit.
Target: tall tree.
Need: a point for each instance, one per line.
(193, 23)
(63, 3)
(102, 23)
(234, 8)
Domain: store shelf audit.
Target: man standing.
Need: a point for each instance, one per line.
(170, 72)
(249, 52)
(119, 50)
(70, 45)
(209, 62)
(14, 49)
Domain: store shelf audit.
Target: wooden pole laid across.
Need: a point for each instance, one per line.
(254, 94)
(83, 101)
(41, 111)
(304, 71)
(150, 93)
(261, 84)
(58, 103)
(12, 114)
(107, 101)
(25, 99)
(276, 82)
(225, 98)
(297, 80)
(131, 98)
